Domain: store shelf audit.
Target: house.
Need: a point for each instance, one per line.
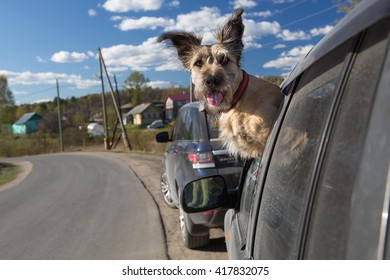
(28, 123)
(173, 102)
(143, 114)
(97, 118)
(126, 108)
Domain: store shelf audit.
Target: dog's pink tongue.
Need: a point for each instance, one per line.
(214, 98)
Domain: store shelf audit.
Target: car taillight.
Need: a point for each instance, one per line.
(202, 160)
(209, 212)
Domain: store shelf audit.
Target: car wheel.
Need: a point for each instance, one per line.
(191, 241)
(166, 190)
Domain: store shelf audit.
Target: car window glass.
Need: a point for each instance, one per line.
(192, 124)
(329, 231)
(180, 131)
(248, 192)
(213, 125)
(283, 205)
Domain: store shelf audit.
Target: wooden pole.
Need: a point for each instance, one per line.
(59, 118)
(117, 110)
(105, 125)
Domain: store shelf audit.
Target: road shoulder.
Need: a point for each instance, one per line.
(25, 169)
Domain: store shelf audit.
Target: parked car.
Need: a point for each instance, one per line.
(322, 187)
(194, 152)
(156, 124)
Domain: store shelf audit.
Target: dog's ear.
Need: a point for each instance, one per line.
(231, 33)
(184, 42)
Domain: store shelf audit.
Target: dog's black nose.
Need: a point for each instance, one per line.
(213, 81)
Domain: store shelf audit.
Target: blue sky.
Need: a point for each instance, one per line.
(45, 40)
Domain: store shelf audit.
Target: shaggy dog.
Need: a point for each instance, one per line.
(247, 105)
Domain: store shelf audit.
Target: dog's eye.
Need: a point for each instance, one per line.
(223, 59)
(198, 63)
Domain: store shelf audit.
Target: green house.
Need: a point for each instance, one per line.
(28, 123)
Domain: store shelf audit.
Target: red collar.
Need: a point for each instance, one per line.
(241, 89)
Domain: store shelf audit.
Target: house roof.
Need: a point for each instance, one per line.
(179, 97)
(141, 108)
(127, 106)
(26, 117)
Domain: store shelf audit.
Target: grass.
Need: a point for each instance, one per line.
(8, 172)
(141, 140)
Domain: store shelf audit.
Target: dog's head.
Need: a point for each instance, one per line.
(215, 69)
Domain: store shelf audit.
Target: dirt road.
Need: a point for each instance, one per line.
(148, 170)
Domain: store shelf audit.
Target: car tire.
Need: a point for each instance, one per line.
(166, 190)
(191, 241)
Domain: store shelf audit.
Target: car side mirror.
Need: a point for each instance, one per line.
(204, 194)
(163, 137)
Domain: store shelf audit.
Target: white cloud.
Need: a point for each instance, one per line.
(159, 84)
(288, 60)
(205, 21)
(117, 69)
(260, 29)
(47, 78)
(243, 4)
(19, 92)
(263, 14)
(42, 100)
(255, 30)
(64, 57)
(321, 30)
(174, 4)
(144, 23)
(147, 56)
(279, 46)
(92, 12)
(117, 18)
(123, 6)
(298, 51)
(202, 21)
(284, 62)
(40, 59)
(287, 35)
(282, 1)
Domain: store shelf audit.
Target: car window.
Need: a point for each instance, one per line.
(180, 131)
(213, 126)
(192, 124)
(337, 198)
(286, 190)
(249, 191)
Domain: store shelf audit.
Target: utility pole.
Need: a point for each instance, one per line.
(106, 136)
(59, 118)
(115, 143)
(117, 110)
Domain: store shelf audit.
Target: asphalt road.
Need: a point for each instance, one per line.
(80, 206)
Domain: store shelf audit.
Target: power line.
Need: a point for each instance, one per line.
(311, 15)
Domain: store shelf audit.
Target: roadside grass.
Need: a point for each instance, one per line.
(8, 172)
(141, 140)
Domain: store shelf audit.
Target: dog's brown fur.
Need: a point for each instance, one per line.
(217, 75)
